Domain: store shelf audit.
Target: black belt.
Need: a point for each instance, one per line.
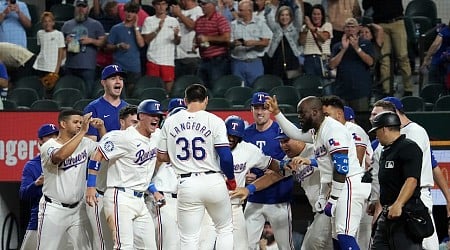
(100, 192)
(47, 199)
(172, 194)
(189, 174)
(314, 55)
(393, 20)
(135, 193)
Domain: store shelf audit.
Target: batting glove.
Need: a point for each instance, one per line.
(330, 207)
(231, 184)
(320, 204)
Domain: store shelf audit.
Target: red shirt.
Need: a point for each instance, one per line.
(212, 26)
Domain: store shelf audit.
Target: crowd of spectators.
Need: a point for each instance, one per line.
(212, 38)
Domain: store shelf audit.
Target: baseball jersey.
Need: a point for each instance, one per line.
(66, 182)
(360, 138)
(29, 191)
(245, 157)
(418, 134)
(332, 137)
(190, 138)
(165, 179)
(131, 156)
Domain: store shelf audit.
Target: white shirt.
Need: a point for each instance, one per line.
(66, 182)
(184, 49)
(50, 43)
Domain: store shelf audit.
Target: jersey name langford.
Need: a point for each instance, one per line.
(195, 126)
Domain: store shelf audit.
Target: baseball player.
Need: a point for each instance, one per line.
(64, 161)
(131, 154)
(165, 180)
(271, 204)
(192, 140)
(342, 192)
(31, 186)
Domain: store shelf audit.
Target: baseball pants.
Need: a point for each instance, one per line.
(431, 242)
(318, 234)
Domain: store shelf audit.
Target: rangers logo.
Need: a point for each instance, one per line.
(234, 125)
(109, 146)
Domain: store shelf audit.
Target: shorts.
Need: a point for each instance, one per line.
(165, 72)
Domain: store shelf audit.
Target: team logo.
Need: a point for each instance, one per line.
(356, 137)
(332, 142)
(234, 125)
(157, 105)
(389, 164)
(109, 146)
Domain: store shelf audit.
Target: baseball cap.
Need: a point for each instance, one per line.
(47, 129)
(81, 2)
(351, 21)
(281, 135)
(349, 114)
(385, 119)
(175, 103)
(259, 98)
(112, 70)
(394, 100)
(207, 1)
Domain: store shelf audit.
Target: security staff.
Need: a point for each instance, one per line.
(399, 177)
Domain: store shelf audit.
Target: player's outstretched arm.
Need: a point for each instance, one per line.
(162, 157)
(227, 166)
(270, 177)
(441, 182)
(93, 169)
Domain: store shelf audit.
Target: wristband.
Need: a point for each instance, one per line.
(283, 163)
(91, 180)
(313, 162)
(251, 188)
(336, 189)
(94, 165)
(152, 189)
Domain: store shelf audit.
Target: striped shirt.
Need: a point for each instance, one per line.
(311, 46)
(213, 26)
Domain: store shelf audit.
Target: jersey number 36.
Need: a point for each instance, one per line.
(191, 148)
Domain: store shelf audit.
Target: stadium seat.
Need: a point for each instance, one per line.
(147, 82)
(133, 101)
(430, 93)
(62, 12)
(308, 85)
(238, 95)
(225, 82)
(158, 94)
(67, 97)
(182, 82)
(218, 104)
(45, 105)
(286, 95)
(32, 45)
(9, 105)
(442, 104)
(32, 82)
(71, 81)
(23, 97)
(81, 104)
(413, 103)
(266, 82)
(426, 8)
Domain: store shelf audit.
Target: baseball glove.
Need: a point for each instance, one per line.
(49, 80)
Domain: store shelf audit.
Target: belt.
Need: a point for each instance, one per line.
(100, 192)
(313, 55)
(249, 60)
(197, 174)
(130, 191)
(393, 20)
(49, 200)
(174, 195)
(219, 57)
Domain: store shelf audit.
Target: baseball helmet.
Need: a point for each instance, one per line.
(150, 106)
(385, 119)
(175, 103)
(235, 126)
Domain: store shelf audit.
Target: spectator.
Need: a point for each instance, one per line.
(250, 36)
(435, 59)
(161, 34)
(267, 241)
(284, 49)
(212, 38)
(316, 38)
(353, 58)
(14, 19)
(52, 45)
(186, 59)
(391, 20)
(228, 9)
(259, 7)
(83, 36)
(4, 81)
(125, 40)
(338, 12)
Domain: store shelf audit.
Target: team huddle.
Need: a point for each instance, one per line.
(181, 182)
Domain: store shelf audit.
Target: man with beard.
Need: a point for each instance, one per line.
(267, 241)
(342, 193)
(83, 36)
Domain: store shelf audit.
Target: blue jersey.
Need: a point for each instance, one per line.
(281, 191)
(30, 192)
(102, 109)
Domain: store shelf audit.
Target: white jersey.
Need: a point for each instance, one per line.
(66, 182)
(131, 156)
(190, 139)
(419, 135)
(331, 137)
(165, 179)
(361, 138)
(246, 156)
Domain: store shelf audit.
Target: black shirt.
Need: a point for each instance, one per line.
(384, 10)
(398, 161)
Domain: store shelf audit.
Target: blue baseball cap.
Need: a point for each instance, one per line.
(281, 135)
(394, 100)
(349, 114)
(112, 70)
(175, 103)
(259, 98)
(47, 129)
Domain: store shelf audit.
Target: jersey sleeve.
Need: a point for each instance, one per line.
(258, 159)
(162, 144)
(112, 145)
(220, 133)
(47, 150)
(336, 141)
